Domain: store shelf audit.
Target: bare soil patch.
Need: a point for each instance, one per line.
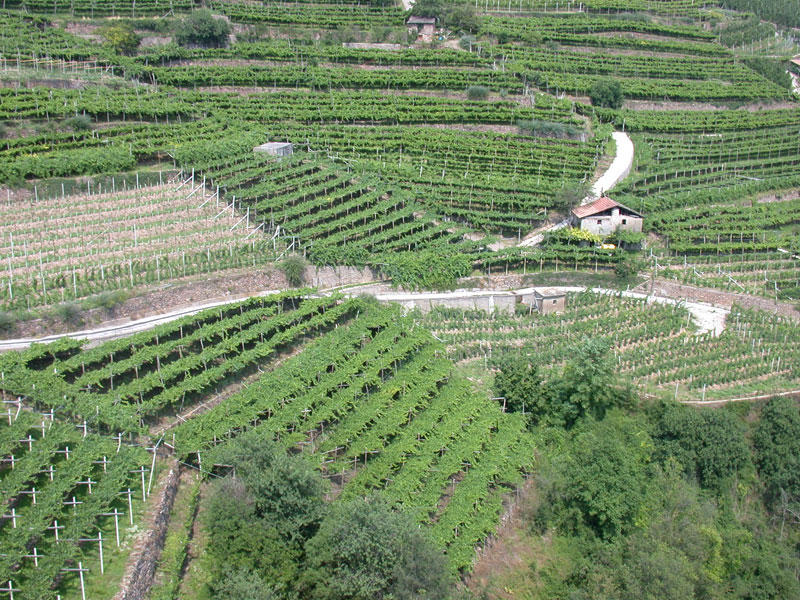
(670, 105)
(155, 300)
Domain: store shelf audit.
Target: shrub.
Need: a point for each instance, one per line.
(69, 312)
(7, 320)
(466, 42)
(549, 129)
(477, 92)
(79, 123)
(294, 268)
(607, 94)
(201, 28)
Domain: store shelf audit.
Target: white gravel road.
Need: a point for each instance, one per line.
(620, 166)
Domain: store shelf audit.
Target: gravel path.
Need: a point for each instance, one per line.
(707, 317)
(619, 168)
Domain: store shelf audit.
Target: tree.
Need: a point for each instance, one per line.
(606, 94)
(243, 541)
(457, 18)
(201, 28)
(286, 489)
(776, 441)
(709, 444)
(606, 477)
(519, 383)
(366, 551)
(588, 385)
(570, 196)
(121, 38)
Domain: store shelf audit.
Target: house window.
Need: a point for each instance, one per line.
(599, 221)
(554, 301)
(624, 221)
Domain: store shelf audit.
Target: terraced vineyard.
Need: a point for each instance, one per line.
(423, 153)
(370, 395)
(328, 213)
(658, 348)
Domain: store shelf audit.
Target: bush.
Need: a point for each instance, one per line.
(201, 28)
(628, 266)
(79, 123)
(107, 300)
(7, 320)
(607, 94)
(467, 42)
(69, 312)
(477, 92)
(294, 268)
(549, 129)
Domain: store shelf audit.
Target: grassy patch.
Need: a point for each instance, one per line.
(176, 545)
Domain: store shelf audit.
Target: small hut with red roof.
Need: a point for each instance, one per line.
(605, 216)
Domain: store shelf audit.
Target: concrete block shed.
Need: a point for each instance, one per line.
(548, 300)
(275, 148)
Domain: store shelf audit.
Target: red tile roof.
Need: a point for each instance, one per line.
(600, 205)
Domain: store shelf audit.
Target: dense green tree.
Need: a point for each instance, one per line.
(777, 448)
(605, 476)
(519, 383)
(366, 551)
(570, 196)
(589, 384)
(242, 540)
(606, 93)
(768, 571)
(201, 28)
(286, 489)
(709, 444)
(455, 17)
(121, 38)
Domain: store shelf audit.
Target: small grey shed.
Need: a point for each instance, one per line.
(549, 300)
(275, 148)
